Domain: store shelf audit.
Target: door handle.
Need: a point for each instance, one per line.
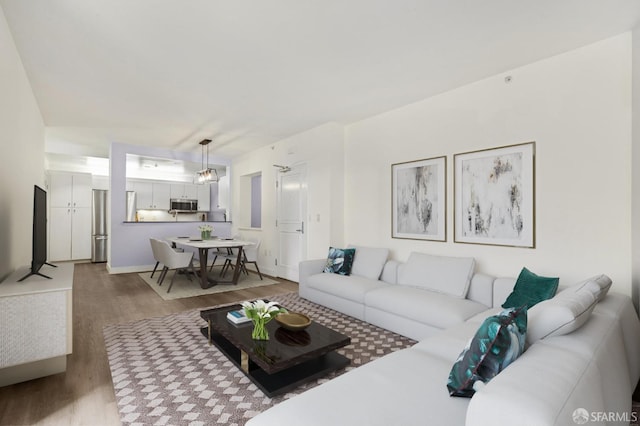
(301, 230)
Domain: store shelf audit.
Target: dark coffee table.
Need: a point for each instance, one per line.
(285, 361)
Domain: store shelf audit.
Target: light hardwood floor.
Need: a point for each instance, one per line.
(84, 394)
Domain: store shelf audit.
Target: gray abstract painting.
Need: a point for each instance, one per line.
(417, 200)
(492, 191)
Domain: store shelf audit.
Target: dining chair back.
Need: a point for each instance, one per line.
(154, 251)
(250, 255)
(172, 259)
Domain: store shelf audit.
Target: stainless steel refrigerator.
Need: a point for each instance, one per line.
(99, 235)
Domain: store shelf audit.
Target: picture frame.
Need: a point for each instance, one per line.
(494, 196)
(419, 199)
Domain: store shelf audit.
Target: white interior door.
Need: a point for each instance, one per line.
(292, 212)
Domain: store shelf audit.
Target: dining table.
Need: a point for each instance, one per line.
(203, 246)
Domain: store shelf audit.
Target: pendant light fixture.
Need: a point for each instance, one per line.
(207, 174)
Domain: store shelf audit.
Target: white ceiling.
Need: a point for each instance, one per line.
(169, 73)
(138, 167)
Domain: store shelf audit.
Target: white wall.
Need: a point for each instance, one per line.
(576, 106)
(22, 153)
(635, 194)
(321, 149)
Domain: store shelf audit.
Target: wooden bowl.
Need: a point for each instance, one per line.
(293, 321)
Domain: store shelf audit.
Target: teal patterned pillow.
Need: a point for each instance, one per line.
(339, 261)
(531, 289)
(498, 342)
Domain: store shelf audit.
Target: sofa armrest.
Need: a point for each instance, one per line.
(306, 268)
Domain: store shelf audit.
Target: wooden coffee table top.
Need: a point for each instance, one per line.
(284, 349)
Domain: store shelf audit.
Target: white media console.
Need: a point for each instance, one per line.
(35, 323)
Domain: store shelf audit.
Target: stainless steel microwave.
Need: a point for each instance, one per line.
(180, 205)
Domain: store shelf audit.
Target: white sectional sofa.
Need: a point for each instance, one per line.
(416, 299)
(594, 368)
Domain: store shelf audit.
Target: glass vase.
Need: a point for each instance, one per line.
(205, 235)
(260, 331)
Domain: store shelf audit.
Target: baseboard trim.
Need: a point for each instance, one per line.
(128, 269)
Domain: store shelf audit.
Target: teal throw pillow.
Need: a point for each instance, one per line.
(498, 342)
(531, 289)
(339, 261)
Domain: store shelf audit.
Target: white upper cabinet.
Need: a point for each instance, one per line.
(152, 195)
(81, 193)
(177, 190)
(144, 195)
(161, 196)
(204, 197)
(70, 189)
(184, 191)
(191, 191)
(223, 192)
(60, 189)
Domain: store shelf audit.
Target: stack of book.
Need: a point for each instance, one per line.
(237, 317)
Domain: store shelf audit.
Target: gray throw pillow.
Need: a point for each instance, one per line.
(368, 262)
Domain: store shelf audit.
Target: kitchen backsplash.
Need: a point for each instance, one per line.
(163, 216)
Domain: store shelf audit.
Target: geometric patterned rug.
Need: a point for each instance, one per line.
(165, 373)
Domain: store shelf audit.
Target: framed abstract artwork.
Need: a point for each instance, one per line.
(419, 199)
(494, 196)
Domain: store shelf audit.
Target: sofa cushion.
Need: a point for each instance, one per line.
(428, 307)
(604, 282)
(498, 342)
(400, 388)
(502, 288)
(478, 318)
(368, 262)
(339, 261)
(351, 288)
(531, 289)
(442, 274)
(447, 343)
(563, 314)
(481, 289)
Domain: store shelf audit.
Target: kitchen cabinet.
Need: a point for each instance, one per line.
(144, 195)
(152, 195)
(161, 196)
(70, 216)
(70, 189)
(184, 191)
(204, 197)
(223, 192)
(69, 233)
(191, 191)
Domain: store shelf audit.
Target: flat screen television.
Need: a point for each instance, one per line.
(39, 236)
